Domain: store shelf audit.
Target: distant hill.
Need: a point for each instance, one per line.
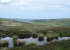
(53, 22)
(32, 24)
(22, 20)
(12, 24)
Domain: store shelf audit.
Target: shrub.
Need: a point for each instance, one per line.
(3, 35)
(15, 40)
(3, 43)
(32, 45)
(34, 35)
(49, 39)
(20, 43)
(22, 36)
(41, 38)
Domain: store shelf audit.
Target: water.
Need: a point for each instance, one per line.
(10, 41)
(31, 40)
(64, 38)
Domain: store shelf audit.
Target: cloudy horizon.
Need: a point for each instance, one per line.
(35, 9)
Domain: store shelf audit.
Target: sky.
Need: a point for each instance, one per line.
(35, 9)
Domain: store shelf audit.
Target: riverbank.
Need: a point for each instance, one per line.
(62, 45)
(32, 41)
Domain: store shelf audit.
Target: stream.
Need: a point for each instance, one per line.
(31, 40)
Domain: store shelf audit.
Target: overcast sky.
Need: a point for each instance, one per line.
(35, 9)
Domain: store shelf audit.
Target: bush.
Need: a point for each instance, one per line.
(22, 36)
(41, 38)
(49, 39)
(32, 45)
(20, 43)
(34, 35)
(3, 43)
(15, 40)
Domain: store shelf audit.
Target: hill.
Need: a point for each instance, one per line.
(32, 25)
(53, 22)
(10, 24)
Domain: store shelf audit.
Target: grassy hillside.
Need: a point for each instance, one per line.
(14, 25)
(53, 22)
(32, 25)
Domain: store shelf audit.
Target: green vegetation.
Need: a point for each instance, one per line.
(13, 25)
(20, 44)
(53, 22)
(62, 45)
(50, 28)
(3, 43)
(52, 34)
